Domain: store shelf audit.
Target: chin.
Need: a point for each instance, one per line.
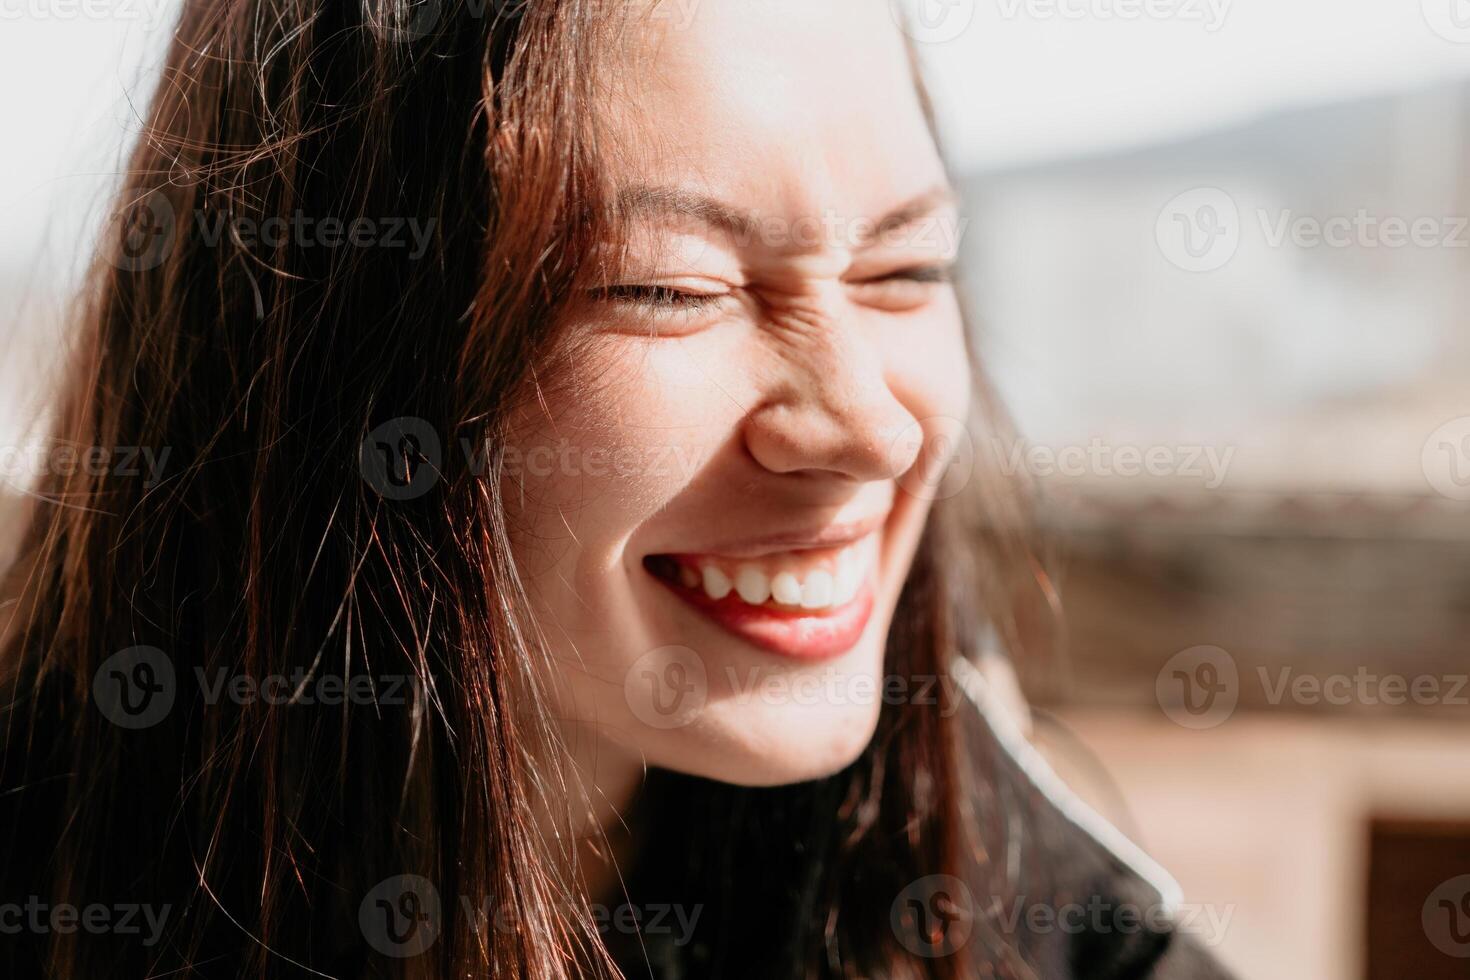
(772, 719)
(775, 745)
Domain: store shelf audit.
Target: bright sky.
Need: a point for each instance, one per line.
(1038, 78)
(1015, 80)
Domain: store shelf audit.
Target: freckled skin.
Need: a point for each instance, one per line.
(780, 406)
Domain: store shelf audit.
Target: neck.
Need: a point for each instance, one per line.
(604, 781)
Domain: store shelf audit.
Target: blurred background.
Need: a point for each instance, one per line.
(1219, 253)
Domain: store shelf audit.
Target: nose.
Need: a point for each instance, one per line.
(832, 412)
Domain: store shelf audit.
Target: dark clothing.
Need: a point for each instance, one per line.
(1053, 893)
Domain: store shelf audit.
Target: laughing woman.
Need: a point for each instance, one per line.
(572, 548)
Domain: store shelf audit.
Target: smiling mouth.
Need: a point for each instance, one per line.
(806, 604)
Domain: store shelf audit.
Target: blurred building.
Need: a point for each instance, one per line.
(1324, 554)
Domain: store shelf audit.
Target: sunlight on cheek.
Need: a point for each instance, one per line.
(615, 443)
(927, 362)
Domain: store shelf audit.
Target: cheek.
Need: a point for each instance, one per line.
(926, 362)
(617, 439)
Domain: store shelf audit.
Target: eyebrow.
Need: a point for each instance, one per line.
(657, 201)
(653, 201)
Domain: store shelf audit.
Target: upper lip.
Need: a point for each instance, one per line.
(811, 537)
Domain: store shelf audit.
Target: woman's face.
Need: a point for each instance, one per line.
(716, 510)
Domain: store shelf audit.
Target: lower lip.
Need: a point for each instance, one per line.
(796, 634)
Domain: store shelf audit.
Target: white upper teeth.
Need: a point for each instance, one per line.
(849, 580)
(716, 585)
(785, 588)
(822, 588)
(752, 585)
(817, 591)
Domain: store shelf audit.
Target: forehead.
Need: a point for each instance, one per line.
(785, 106)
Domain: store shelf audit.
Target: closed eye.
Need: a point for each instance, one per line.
(903, 289)
(661, 308)
(943, 272)
(939, 272)
(658, 297)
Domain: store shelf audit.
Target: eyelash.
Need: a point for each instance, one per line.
(923, 273)
(661, 298)
(669, 298)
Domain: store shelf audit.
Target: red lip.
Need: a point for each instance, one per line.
(798, 635)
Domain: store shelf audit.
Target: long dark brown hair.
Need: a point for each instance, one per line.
(262, 367)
